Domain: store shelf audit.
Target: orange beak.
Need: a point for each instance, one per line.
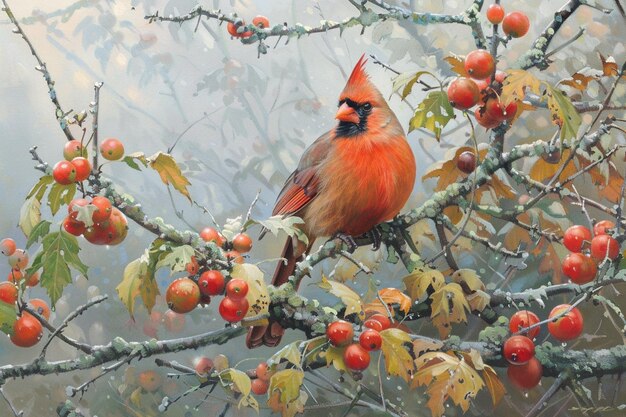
(347, 114)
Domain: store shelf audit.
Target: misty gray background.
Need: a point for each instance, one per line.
(160, 78)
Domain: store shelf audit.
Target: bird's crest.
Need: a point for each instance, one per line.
(359, 88)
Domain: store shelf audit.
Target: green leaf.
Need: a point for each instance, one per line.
(177, 259)
(40, 188)
(279, 223)
(60, 195)
(30, 215)
(39, 231)
(130, 160)
(563, 112)
(8, 316)
(59, 252)
(433, 113)
(406, 81)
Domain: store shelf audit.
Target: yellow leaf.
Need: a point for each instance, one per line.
(418, 282)
(398, 360)
(478, 301)
(236, 380)
(130, 287)
(516, 83)
(170, 172)
(290, 353)
(468, 279)
(447, 377)
(258, 296)
(346, 270)
(284, 391)
(493, 383)
(457, 65)
(406, 81)
(350, 298)
(425, 345)
(390, 296)
(30, 215)
(334, 356)
(448, 306)
(543, 170)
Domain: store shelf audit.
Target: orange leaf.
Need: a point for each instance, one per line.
(390, 296)
(609, 66)
(458, 65)
(542, 170)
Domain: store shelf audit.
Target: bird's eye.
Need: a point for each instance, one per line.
(367, 106)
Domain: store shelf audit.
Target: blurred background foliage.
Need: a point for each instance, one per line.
(239, 123)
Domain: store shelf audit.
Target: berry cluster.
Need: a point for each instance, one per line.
(356, 355)
(581, 265)
(238, 28)
(109, 227)
(27, 330)
(525, 371)
(185, 294)
(76, 167)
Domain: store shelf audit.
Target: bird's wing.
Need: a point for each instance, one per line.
(302, 185)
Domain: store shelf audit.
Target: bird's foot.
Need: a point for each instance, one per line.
(347, 239)
(376, 236)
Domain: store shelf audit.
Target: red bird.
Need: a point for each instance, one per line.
(359, 174)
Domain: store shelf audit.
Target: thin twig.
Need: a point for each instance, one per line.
(545, 398)
(11, 407)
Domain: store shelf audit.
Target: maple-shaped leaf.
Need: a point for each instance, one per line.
(516, 83)
(420, 280)
(447, 169)
(421, 345)
(8, 316)
(478, 301)
(290, 353)
(563, 112)
(285, 394)
(170, 172)
(433, 113)
(543, 170)
(257, 296)
(457, 65)
(289, 225)
(581, 79)
(406, 81)
(606, 177)
(493, 383)
(177, 259)
(468, 279)
(448, 306)
(446, 377)
(351, 299)
(609, 66)
(390, 296)
(398, 360)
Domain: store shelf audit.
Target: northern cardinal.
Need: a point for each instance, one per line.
(357, 175)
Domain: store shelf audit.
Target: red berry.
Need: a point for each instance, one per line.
(192, 266)
(568, 326)
(73, 227)
(183, 295)
(40, 307)
(463, 93)
(603, 227)
(466, 162)
(500, 76)
(575, 236)
(83, 168)
(27, 331)
(356, 358)
(234, 256)
(233, 309)
(242, 243)
(104, 209)
(211, 283)
(495, 14)
(263, 371)
(518, 350)
(112, 149)
(259, 387)
(580, 268)
(497, 111)
(479, 64)
(64, 172)
(370, 339)
(484, 119)
(523, 319)
(382, 319)
(203, 365)
(19, 259)
(373, 324)
(526, 376)
(604, 246)
(236, 288)
(72, 149)
(339, 333)
(8, 292)
(515, 24)
(209, 234)
(261, 22)
(7, 246)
